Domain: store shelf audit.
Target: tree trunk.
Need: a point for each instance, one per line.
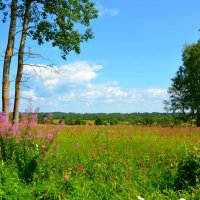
(7, 60)
(20, 62)
(198, 118)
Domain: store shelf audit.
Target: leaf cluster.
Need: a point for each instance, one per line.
(64, 23)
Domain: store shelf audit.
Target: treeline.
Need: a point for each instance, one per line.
(160, 119)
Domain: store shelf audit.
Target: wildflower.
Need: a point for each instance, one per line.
(45, 120)
(140, 198)
(37, 109)
(40, 135)
(3, 117)
(49, 115)
(34, 117)
(182, 199)
(15, 128)
(49, 137)
(62, 122)
(26, 111)
(30, 99)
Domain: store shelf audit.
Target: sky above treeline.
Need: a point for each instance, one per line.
(126, 68)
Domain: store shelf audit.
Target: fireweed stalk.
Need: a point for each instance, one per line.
(25, 143)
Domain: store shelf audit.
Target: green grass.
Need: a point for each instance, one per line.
(111, 162)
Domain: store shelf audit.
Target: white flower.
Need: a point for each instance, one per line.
(140, 198)
(182, 199)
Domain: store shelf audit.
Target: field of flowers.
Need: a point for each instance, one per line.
(98, 162)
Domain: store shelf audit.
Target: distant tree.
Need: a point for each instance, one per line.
(184, 93)
(114, 122)
(100, 121)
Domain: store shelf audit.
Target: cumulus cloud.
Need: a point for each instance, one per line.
(67, 97)
(30, 94)
(70, 88)
(156, 93)
(54, 79)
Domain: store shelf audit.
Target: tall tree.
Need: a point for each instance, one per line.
(8, 57)
(20, 60)
(184, 94)
(59, 21)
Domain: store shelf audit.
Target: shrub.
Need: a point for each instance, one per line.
(100, 121)
(188, 172)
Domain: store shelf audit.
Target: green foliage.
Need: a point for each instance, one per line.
(184, 93)
(188, 172)
(153, 119)
(66, 24)
(100, 121)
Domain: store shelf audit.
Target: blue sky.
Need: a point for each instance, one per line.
(127, 67)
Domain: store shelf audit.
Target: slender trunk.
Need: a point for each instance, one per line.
(20, 62)
(198, 118)
(7, 60)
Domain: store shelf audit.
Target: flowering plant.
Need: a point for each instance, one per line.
(23, 143)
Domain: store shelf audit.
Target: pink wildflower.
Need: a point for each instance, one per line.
(30, 99)
(49, 137)
(40, 135)
(45, 120)
(37, 109)
(3, 117)
(62, 122)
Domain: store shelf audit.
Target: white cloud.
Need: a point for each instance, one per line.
(106, 11)
(112, 12)
(30, 94)
(67, 97)
(73, 90)
(156, 93)
(52, 79)
(105, 91)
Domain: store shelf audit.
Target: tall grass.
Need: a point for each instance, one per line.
(123, 162)
(110, 162)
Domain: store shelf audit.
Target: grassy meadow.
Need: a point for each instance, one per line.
(112, 162)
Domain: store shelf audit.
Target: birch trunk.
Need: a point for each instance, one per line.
(7, 60)
(20, 62)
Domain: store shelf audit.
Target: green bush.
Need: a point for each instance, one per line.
(188, 172)
(100, 121)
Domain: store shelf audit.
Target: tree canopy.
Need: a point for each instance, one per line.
(184, 93)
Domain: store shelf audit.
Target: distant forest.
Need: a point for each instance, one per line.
(159, 119)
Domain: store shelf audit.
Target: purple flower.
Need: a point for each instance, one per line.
(45, 120)
(49, 137)
(37, 109)
(40, 135)
(3, 117)
(62, 122)
(30, 99)
(26, 111)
